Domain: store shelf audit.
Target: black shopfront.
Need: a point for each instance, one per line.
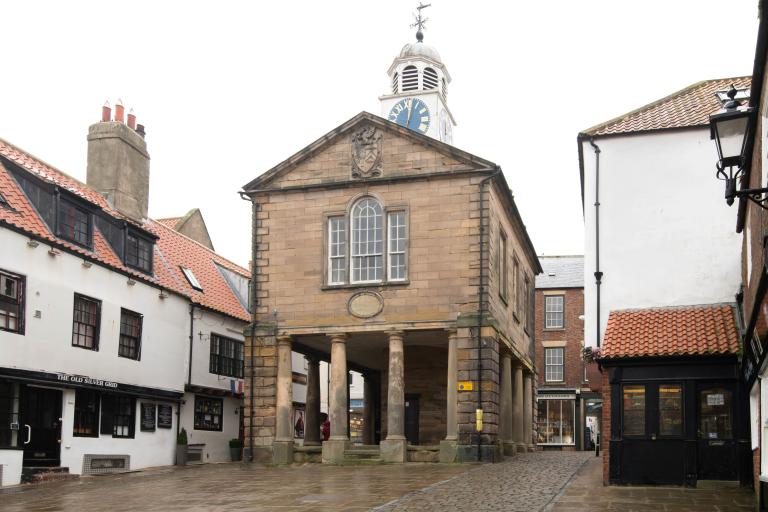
(675, 421)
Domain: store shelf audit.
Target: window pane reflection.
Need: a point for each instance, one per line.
(670, 410)
(634, 410)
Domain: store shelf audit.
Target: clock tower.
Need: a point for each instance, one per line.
(419, 89)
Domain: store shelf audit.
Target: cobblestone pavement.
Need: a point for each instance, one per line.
(527, 482)
(586, 493)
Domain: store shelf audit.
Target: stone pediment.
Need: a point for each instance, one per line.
(367, 148)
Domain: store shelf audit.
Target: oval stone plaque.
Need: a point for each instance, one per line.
(365, 304)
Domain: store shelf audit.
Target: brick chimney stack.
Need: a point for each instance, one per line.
(118, 162)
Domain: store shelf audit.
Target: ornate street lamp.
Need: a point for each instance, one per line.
(731, 128)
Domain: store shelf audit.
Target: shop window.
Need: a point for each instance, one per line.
(9, 414)
(11, 302)
(208, 413)
(130, 334)
(670, 410)
(118, 415)
(555, 421)
(554, 311)
(226, 356)
(86, 413)
(553, 364)
(634, 410)
(85, 325)
(715, 420)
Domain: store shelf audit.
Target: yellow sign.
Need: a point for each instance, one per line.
(479, 420)
(465, 385)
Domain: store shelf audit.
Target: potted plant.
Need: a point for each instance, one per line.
(181, 448)
(234, 449)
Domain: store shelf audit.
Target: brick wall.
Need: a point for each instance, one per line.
(572, 334)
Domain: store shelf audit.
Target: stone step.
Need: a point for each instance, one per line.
(362, 462)
(35, 475)
(361, 453)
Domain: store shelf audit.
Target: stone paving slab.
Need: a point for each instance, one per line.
(586, 493)
(527, 482)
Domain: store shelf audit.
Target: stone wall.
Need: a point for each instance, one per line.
(259, 404)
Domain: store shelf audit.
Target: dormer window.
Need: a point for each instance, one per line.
(74, 223)
(191, 278)
(430, 78)
(394, 82)
(410, 78)
(138, 252)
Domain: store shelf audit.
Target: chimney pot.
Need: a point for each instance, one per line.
(119, 112)
(106, 113)
(140, 130)
(131, 120)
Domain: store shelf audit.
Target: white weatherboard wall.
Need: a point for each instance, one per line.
(51, 282)
(667, 236)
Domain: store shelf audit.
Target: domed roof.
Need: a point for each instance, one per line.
(419, 49)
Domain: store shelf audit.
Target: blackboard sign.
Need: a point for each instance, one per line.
(147, 417)
(164, 416)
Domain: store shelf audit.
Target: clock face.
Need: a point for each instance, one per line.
(411, 113)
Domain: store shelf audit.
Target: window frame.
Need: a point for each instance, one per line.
(502, 267)
(347, 257)
(96, 326)
(65, 202)
(645, 432)
(123, 313)
(561, 365)
(13, 400)
(218, 358)
(548, 400)
(561, 326)
(132, 233)
(197, 414)
(79, 413)
(658, 409)
(19, 301)
(130, 419)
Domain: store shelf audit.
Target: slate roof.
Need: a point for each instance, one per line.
(671, 331)
(561, 272)
(172, 249)
(688, 107)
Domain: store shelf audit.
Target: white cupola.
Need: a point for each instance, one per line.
(419, 91)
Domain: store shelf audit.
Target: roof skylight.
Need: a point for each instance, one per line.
(191, 278)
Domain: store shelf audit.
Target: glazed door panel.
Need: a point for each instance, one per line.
(717, 446)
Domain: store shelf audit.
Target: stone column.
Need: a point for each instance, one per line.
(528, 411)
(333, 449)
(449, 446)
(368, 418)
(506, 417)
(282, 448)
(517, 410)
(312, 415)
(393, 448)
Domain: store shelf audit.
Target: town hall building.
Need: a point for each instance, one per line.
(383, 249)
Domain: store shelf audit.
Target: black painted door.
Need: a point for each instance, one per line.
(412, 418)
(41, 426)
(717, 447)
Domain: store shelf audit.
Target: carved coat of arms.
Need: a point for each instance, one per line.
(366, 153)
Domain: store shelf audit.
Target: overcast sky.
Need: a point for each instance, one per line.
(227, 90)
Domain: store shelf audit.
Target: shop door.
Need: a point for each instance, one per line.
(412, 418)
(717, 448)
(41, 426)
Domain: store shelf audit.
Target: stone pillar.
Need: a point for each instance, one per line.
(449, 446)
(333, 449)
(517, 410)
(282, 448)
(506, 417)
(528, 411)
(393, 448)
(368, 404)
(312, 414)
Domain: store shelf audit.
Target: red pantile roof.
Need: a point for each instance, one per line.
(672, 331)
(170, 222)
(688, 107)
(172, 249)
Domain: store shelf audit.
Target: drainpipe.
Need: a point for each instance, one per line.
(253, 303)
(191, 338)
(598, 274)
(481, 303)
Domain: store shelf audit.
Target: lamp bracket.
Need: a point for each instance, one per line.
(759, 196)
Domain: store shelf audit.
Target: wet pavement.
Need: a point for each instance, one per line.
(586, 493)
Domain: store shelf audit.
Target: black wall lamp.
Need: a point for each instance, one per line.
(731, 128)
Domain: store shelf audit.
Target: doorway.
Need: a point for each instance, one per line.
(41, 426)
(717, 447)
(412, 418)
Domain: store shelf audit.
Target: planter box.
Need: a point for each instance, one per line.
(181, 454)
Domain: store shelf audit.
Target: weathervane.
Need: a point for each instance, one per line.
(420, 22)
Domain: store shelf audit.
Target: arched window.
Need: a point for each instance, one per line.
(430, 78)
(367, 241)
(377, 240)
(410, 78)
(394, 83)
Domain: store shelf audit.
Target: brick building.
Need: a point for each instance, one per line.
(385, 250)
(568, 408)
